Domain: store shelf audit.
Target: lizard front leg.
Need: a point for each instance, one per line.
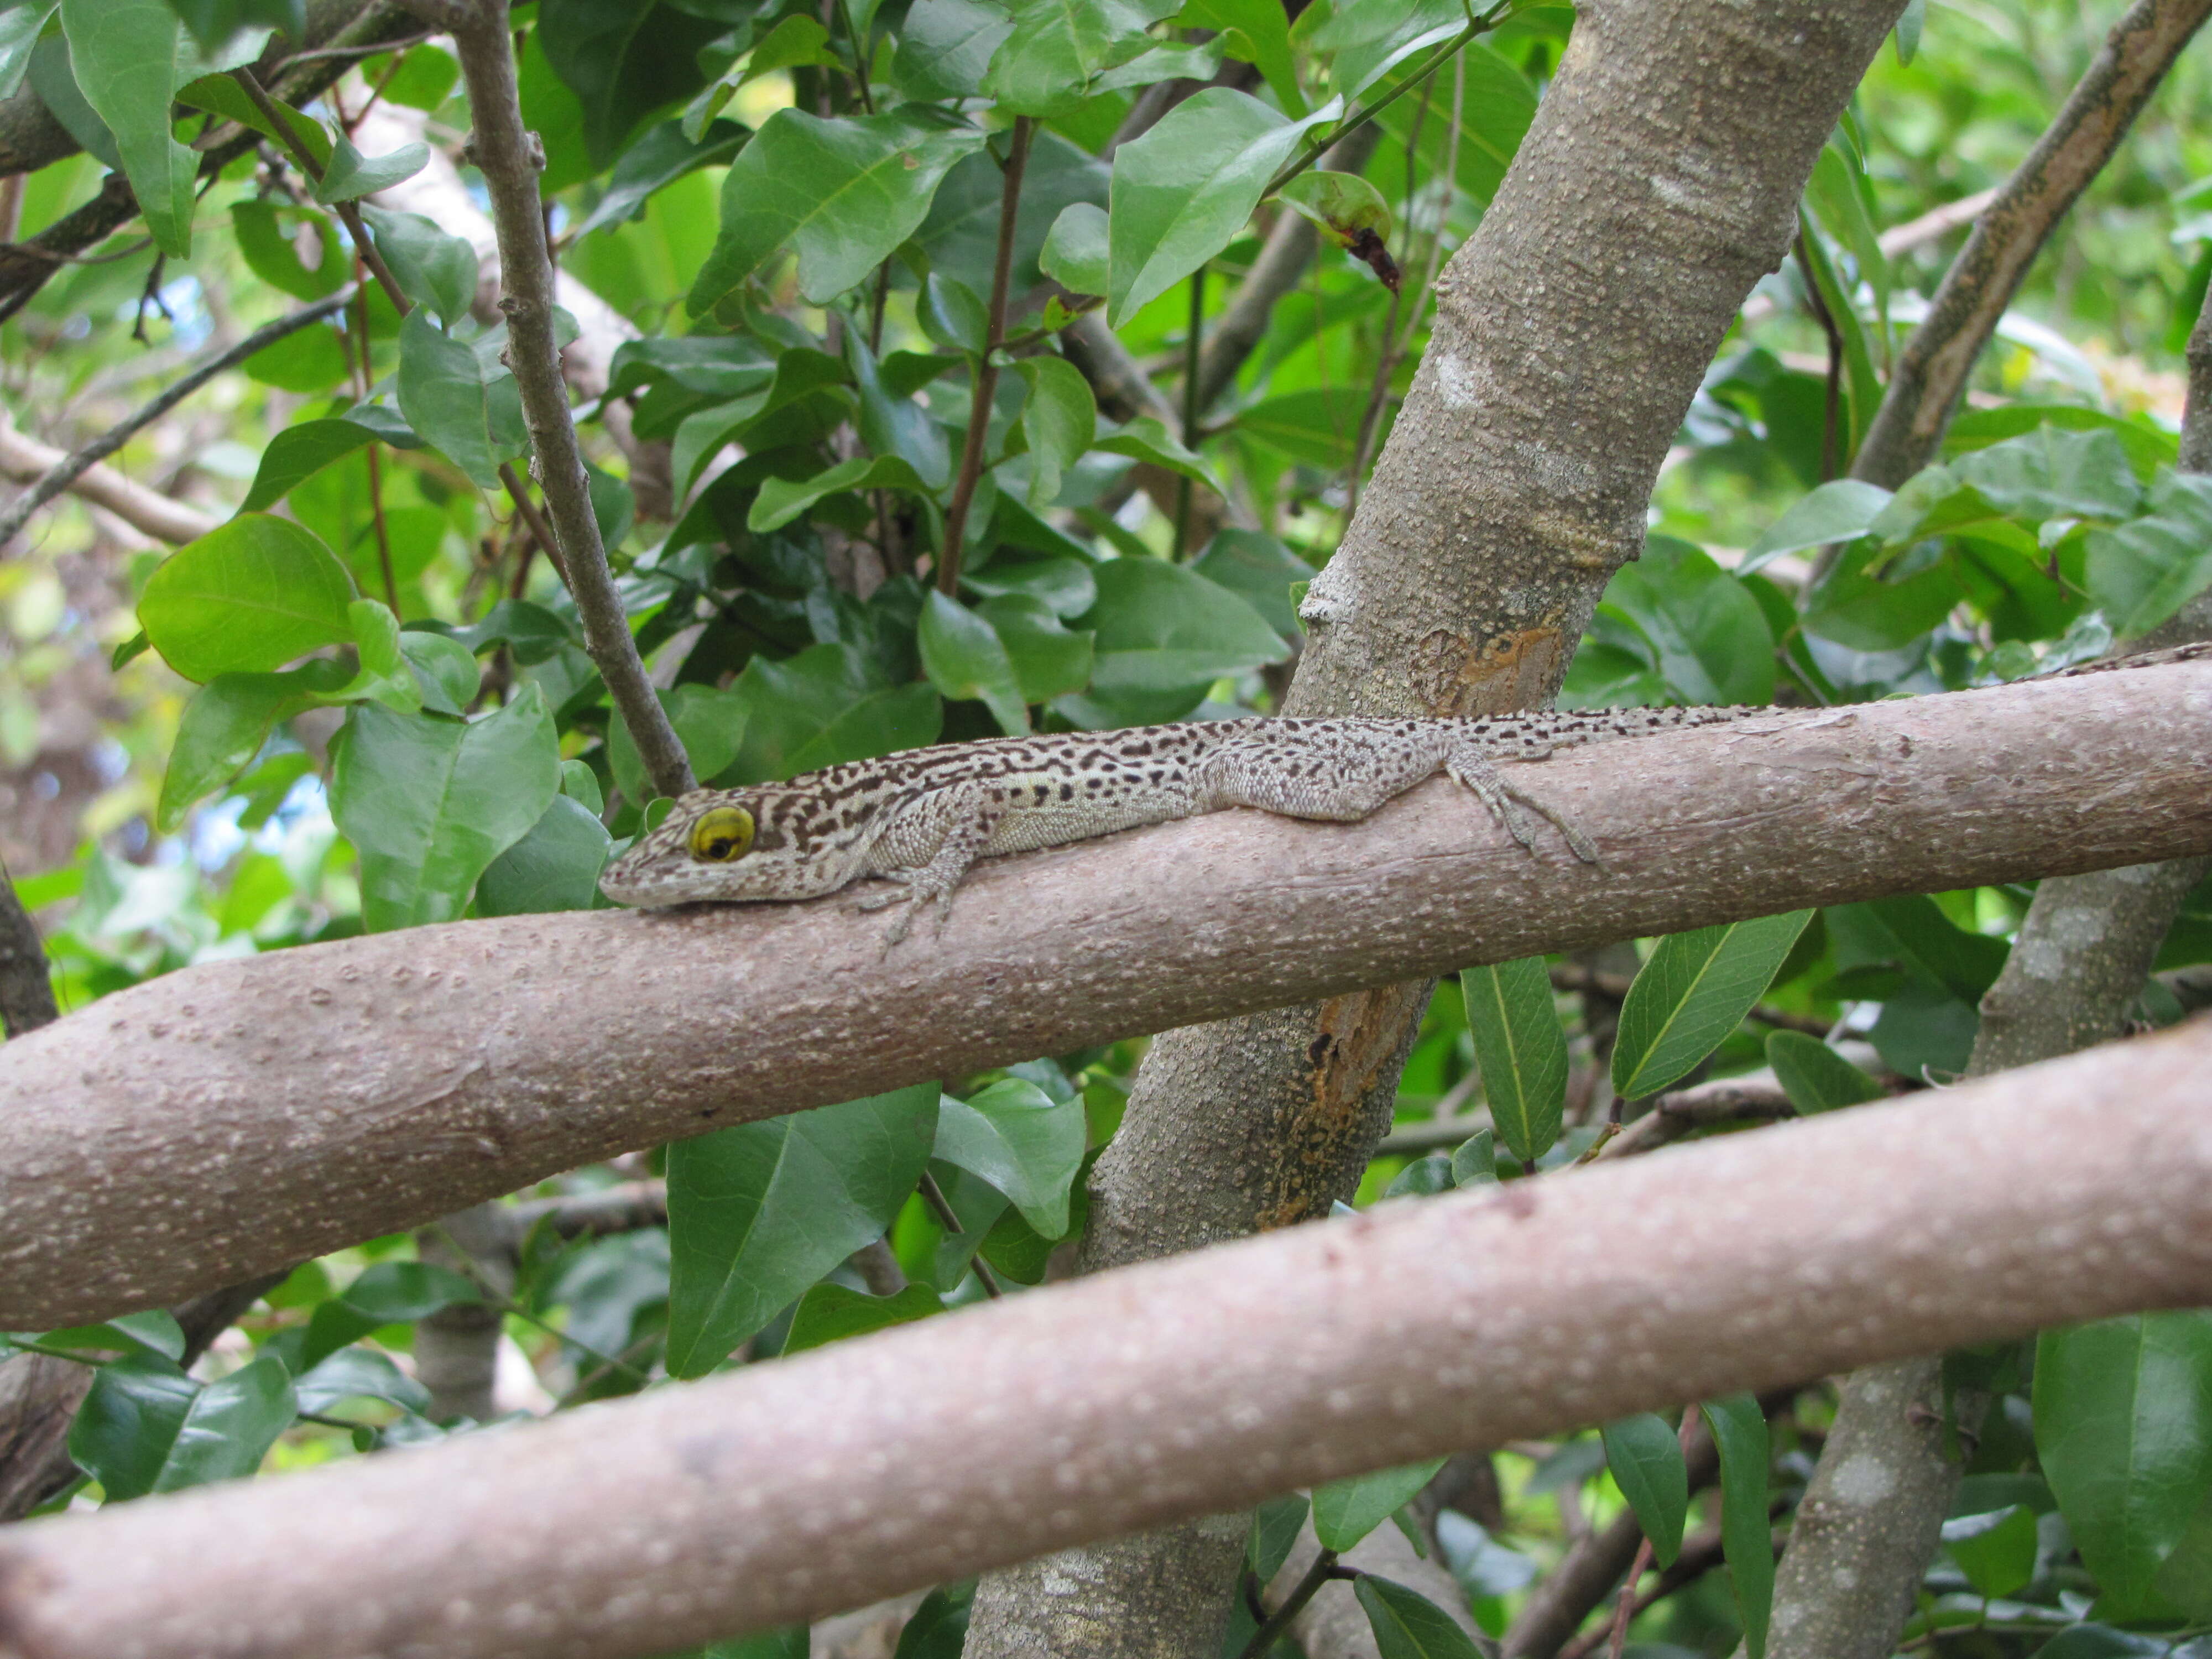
(929, 846)
(1472, 767)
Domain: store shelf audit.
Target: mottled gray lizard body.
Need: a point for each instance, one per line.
(922, 817)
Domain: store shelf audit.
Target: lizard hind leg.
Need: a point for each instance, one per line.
(1472, 768)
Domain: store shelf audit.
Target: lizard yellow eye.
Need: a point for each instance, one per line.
(722, 835)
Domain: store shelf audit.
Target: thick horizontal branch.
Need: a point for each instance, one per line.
(2074, 1189)
(236, 1116)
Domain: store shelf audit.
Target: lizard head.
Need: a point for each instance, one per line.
(734, 845)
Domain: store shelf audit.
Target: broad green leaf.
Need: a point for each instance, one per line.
(248, 596)
(147, 1427)
(938, 1629)
(960, 237)
(758, 1211)
(2123, 1430)
(215, 22)
(299, 451)
(1520, 1051)
(2148, 447)
(386, 1293)
(895, 426)
(1162, 635)
(53, 83)
(1370, 39)
(1064, 586)
(709, 723)
(1258, 569)
(1856, 607)
(127, 55)
(431, 268)
(964, 658)
(1475, 1163)
(429, 802)
(1839, 195)
(222, 95)
(823, 706)
(952, 315)
(1861, 385)
(2144, 571)
(798, 41)
(1023, 1142)
(554, 866)
(1695, 989)
(1996, 1550)
(623, 59)
(266, 237)
(444, 671)
(1256, 32)
(1057, 51)
(830, 1313)
(313, 359)
(351, 175)
(1740, 1430)
(661, 157)
(1815, 1076)
(782, 500)
(946, 46)
(1049, 660)
(1275, 1528)
(1645, 1456)
(1060, 419)
(1345, 1511)
(1965, 965)
(1146, 440)
(443, 393)
(1713, 641)
(225, 724)
(154, 1332)
(1343, 206)
(1423, 1177)
(1184, 189)
(20, 25)
(358, 1373)
(844, 193)
(1076, 253)
(2054, 474)
(1318, 425)
(1407, 1624)
(1840, 510)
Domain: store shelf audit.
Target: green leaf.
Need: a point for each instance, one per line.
(1407, 1624)
(431, 268)
(147, 1427)
(1275, 1528)
(1258, 569)
(709, 722)
(154, 1332)
(1162, 635)
(1023, 1142)
(1856, 607)
(1063, 586)
(1060, 419)
(2144, 571)
(798, 41)
(300, 452)
(823, 706)
(1475, 1163)
(1840, 510)
(2123, 1430)
(952, 315)
(351, 175)
(2054, 474)
(223, 728)
(1713, 641)
(1076, 249)
(1964, 964)
(1695, 990)
(444, 396)
(964, 658)
(313, 359)
(1343, 206)
(214, 22)
(444, 670)
(266, 235)
(1645, 1456)
(247, 597)
(1184, 189)
(1841, 197)
(960, 237)
(1520, 1051)
(1369, 40)
(758, 1211)
(946, 46)
(429, 802)
(1995, 1550)
(222, 95)
(624, 60)
(1815, 1076)
(1048, 659)
(1345, 1511)
(554, 866)
(782, 500)
(1146, 440)
(894, 426)
(1740, 1430)
(844, 193)
(20, 25)
(1256, 32)
(830, 1313)
(386, 1293)
(664, 154)
(127, 55)
(356, 1373)
(1052, 58)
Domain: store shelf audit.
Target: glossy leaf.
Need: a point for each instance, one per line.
(830, 1313)
(896, 426)
(431, 268)
(964, 658)
(1407, 1624)
(1256, 32)
(760, 1211)
(1064, 586)
(1058, 50)
(960, 237)
(127, 55)
(623, 59)
(1815, 1076)
(300, 452)
(1023, 1142)
(823, 706)
(20, 25)
(1520, 1051)
(554, 866)
(248, 596)
(658, 159)
(1996, 1550)
(1712, 640)
(1060, 418)
(268, 237)
(1475, 1163)
(2144, 571)
(844, 193)
(351, 175)
(1146, 440)
(2123, 1430)
(2050, 474)
(1077, 253)
(780, 501)
(1259, 570)
(1644, 1454)
(1345, 1511)
(1840, 510)
(1695, 990)
(946, 46)
(429, 802)
(1162, 635)
(147, 1427)
(154, 1332)
(1049, 660)
(444, 394)
(709, 723)
(385, 1293)
(1184, 189)
(1740, 1430)
(1275, 1528)
(223, 728)
(358, 1373)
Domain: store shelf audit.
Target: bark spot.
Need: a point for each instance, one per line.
(1453, 676)
(1326, 1140)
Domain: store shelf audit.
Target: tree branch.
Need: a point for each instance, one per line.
(27, 984)
(334, 1092)
(24, 460)
(782, 1491)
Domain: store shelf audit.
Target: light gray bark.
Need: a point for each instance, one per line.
(782, 1491)
(1658, 182)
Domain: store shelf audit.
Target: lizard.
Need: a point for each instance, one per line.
(920, 818)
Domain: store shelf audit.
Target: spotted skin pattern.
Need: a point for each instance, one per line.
(921, 818)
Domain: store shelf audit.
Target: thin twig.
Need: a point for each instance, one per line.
(66, 471)
(1190, 407)
(1817, 302)
(986, 370)
(1323, 1570)
(949, 1219)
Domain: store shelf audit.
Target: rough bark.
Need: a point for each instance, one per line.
(1514, 485)
(333, 1092)
(27, 988)
(2081, 1188)
(1931, 372)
